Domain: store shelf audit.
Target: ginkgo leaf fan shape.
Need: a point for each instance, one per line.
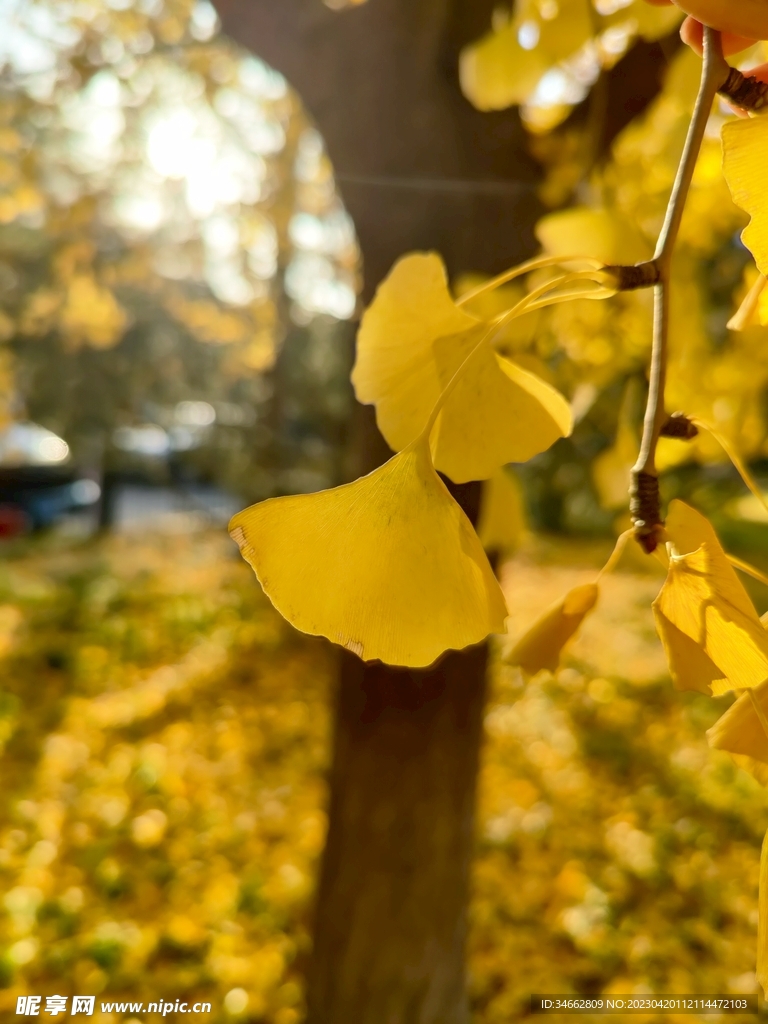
(388, 566)
(412, 340)
(745, 157)
(710, 630)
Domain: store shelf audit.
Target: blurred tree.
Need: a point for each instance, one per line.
(165, 210)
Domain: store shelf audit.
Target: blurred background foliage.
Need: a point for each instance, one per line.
(165, 737)
(177, 281)
(545, 55)
(168, 226)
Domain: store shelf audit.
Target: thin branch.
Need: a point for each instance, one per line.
(644, 491)
(714, 71)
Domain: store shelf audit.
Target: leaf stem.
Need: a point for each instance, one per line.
(738, 463)
(644, 490)
(750, 570)
(524, 268)
(534, 300)
(618, 551)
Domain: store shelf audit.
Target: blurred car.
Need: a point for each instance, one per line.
(38, 484)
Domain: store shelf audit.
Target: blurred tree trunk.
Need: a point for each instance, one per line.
(381, 82)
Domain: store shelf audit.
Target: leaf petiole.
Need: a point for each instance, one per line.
(534, 299)
(738, 464)
(748, 569)
(537, 263)
(618, 551)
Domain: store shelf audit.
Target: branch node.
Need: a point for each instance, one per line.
(679, 426)
(645, 508)
(744, 91)
(630, 278)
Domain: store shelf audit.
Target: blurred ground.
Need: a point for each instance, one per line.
(166, 734)
(165, 737)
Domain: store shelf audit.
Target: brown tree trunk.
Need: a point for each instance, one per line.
(391, 909)
(418, 168)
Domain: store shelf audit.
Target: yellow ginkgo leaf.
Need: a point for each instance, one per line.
(412, 340)
(689, 665)
(498, 412)
(388, 566)
(541, 646)
(745, 156)
(502, 513)
(602, 234)
(559, 37)
(703, 605)
(653, 22)
(742, 732)
(395, 367)
(496, 72)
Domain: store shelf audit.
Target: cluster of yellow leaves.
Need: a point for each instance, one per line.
(529, 56)
(76, 302)
(389, 566)
(19, 196)
(208, 321)
(252, 332)
(57, 196)
(717, 375)
(91, 314)
(412, 340)
(714, 640)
